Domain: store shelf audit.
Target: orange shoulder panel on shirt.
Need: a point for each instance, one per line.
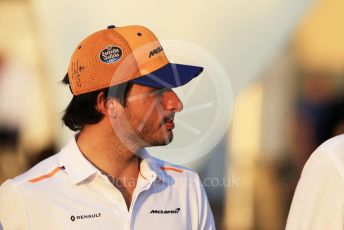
(172, 169)
(52, 173)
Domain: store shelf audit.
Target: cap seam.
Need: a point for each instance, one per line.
(130, 50)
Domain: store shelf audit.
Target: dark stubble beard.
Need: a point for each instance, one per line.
(161, 137)
(147, 137)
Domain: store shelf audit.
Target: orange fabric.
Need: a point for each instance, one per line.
(172, 169)
(141, 47)
(52, 173)
(87, 72)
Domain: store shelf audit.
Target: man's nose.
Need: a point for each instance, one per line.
(171, 101)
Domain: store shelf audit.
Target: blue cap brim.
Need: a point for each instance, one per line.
(170, 76)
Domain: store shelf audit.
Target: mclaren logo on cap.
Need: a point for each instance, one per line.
(155, 51)
(111, 54)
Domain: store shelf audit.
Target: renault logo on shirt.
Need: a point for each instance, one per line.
(175, 211)
(81, 217)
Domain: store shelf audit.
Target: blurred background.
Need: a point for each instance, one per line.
(285, 60)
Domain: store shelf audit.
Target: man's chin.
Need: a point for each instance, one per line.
(162, 141)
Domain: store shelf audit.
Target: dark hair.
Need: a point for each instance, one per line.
(82, 108)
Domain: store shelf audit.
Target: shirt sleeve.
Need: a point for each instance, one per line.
(318, 199)
(12, 212)
(206, 219)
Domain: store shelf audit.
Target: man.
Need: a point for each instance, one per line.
(318, 201)
(122, 102)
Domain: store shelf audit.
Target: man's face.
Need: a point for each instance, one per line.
(150, 113)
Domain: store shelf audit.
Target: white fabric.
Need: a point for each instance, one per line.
(318, 201)
(80, 197)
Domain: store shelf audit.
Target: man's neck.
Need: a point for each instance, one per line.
(108, 154)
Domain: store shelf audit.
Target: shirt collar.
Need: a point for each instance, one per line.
(153, 165)
(76, 165)
(78, 168)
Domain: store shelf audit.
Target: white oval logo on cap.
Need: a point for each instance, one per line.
(111, 54)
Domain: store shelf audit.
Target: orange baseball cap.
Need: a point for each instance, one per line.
(120, 54)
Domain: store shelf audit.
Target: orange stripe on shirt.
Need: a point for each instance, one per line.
(52, 173)
(172, 169)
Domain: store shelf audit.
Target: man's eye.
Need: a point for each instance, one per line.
(154, 92)
(161, 91)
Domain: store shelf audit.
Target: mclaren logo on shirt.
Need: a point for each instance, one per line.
(81, 217)
(175, 211)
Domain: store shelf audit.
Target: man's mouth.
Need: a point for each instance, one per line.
(168, 122)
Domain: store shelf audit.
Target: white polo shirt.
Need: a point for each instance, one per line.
(318, 201)
(66, 191)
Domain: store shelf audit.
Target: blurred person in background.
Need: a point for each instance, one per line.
(13, 89)
(10, 119)
(318, 201)
(122, 102)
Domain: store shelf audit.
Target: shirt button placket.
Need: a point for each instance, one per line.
(117, 199)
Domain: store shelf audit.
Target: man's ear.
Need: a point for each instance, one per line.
(101, 103)
(107, 106)
(111, 108)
